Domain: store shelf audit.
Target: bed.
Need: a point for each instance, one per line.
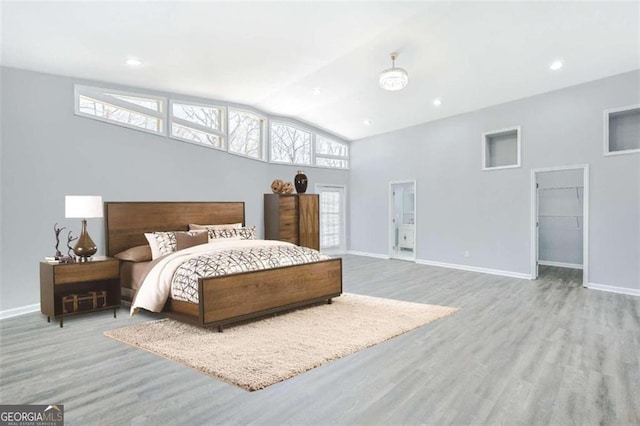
(222, 300)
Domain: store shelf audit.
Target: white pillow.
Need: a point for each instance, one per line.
(161, 243)
(193, 226)
(232, 234)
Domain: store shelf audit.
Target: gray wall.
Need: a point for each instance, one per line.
(48, 152)
(460, 207)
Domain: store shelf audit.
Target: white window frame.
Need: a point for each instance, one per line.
(166, 119)
(328, 156)
(101, 94)
(607, 113)
(342, 248)
(303, 129)
(264, 145)
(518, 131)
(185, 123)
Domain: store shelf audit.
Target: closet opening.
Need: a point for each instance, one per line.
(402, 225)
(560, 200)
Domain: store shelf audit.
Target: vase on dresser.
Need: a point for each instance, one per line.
(300, 182)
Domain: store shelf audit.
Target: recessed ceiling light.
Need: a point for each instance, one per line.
(367, 122)
(133, 62)
(556, 65)
(316, 91)
(437, 102)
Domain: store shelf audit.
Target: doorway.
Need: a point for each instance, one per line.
(332, 218)
(560, 221)
(402, 225)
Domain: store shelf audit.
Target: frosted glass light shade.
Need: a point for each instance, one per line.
(82, 206)
(393, 79)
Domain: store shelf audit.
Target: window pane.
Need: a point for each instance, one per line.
(332, 162)
(331, 147)
(290, 145)
(189, 134)
(204, 116)
(117, 114)
(146, 103)
(245, 133)
(329, 219)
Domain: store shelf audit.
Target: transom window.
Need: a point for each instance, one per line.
(141, 112)
(331, 153)
(246, 133)
(145, 103)
(233, 130)
(197, 123)
(290, 144)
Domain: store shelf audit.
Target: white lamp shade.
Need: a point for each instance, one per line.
(394, 79)
(82, 206)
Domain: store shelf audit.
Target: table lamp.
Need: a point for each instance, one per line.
(83, 207)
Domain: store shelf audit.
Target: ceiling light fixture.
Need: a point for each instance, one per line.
(393, 78)
(133, 62)
(555, 65)
(317, 91)
(367, 122)
(437, 102)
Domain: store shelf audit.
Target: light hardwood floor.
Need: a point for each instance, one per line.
(518, 353)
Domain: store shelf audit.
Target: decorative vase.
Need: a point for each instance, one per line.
(85, 247)
(301, 182)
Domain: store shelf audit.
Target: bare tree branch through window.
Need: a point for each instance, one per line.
(290, 144)
(246, 133)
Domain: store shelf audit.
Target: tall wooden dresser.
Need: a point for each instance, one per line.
(294, 218)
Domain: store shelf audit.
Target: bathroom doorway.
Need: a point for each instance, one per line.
(402, 223)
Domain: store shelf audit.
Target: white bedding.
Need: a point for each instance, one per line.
(158, 284)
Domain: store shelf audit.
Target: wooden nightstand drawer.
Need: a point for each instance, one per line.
(89, 271)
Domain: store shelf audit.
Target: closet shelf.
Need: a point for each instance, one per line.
(559, 215)
(562, 188)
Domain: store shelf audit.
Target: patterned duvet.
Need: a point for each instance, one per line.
(177, 274)
(184, 285)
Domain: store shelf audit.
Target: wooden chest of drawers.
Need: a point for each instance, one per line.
(293, 218)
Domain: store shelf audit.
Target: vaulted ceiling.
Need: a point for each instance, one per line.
(319, 61)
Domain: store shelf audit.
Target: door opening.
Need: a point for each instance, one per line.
(402, 225)
(560, 205)
(332, 218)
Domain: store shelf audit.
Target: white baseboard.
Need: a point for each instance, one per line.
(14, 312)
(560, 264)
(362, 253)
(613, 289)
(333, 253)
(475, 269)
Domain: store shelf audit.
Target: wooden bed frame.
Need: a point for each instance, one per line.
(230, 298)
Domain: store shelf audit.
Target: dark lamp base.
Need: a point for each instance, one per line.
(85, 247)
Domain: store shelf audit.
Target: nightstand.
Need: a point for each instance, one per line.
(60, 281)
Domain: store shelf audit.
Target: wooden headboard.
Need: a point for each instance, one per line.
(126, 222)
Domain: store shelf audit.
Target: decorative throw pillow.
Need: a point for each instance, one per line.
(188, 239)
(161, 243)
(135, 254)
(193, 226)
(233, 233)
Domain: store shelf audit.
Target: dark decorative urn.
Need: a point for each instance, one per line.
(301, 182)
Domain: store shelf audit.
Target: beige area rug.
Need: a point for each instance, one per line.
(258, 354)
